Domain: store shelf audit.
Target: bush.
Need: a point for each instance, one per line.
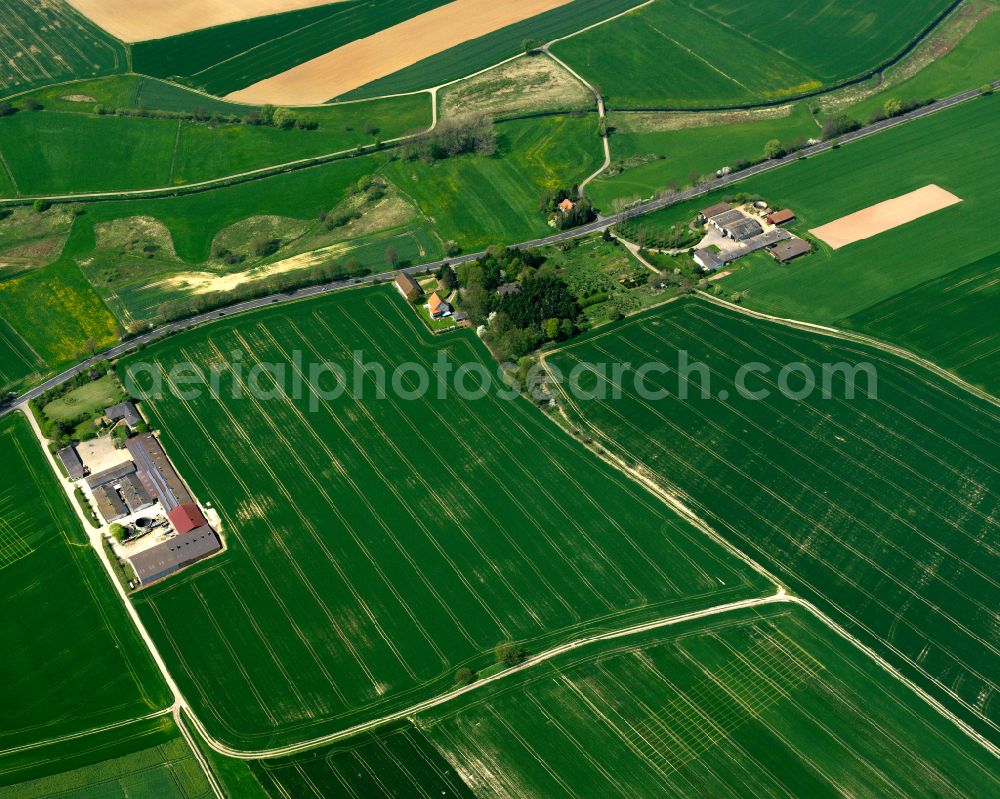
(986, 89)
(264, 246)
(31, 104)
(464, 676)
(117, 532)
(41, 206)
(6, 109)
(773, 149)
(838, 126)
(509, 654)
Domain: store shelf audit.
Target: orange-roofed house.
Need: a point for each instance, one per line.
(781, 217)
(566, 205)
(437, 306)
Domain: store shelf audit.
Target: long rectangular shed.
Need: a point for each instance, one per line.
(111, 475)
(174, 554)
(156, 473)
(70, 459)
(109, 503)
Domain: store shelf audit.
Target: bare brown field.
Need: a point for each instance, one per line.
(884, 216)
(139, 20)
(360, 62)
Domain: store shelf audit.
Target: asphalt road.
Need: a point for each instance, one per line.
(600, 224)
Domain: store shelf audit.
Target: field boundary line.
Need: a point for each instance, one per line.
(857, 338)
(202, 761)
(85, 733)
(542, 657)
(10, 173)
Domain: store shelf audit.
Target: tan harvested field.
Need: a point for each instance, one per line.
(139, 20)
(884, 216)
(360, 62)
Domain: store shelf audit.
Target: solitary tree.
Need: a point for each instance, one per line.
(509, 654)
(892, 107)
(464, 676)
(531, 46)
(391, 256)
(773, 149)
(117, 532)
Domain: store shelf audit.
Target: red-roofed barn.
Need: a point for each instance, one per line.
(186, 518)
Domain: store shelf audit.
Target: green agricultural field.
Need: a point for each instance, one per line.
(881, 510)
(399, 761)
(152, 153)
(480, 201)
(166, 771)
(47, 42)
(73, 660)
(225, 58)
(19, 363)
(951, 320)
(681, 54)
(106, 153)
(57, 314)
(477, 54)
(375, 546)
(758, 703)
(652, 152)
(959, 56)
(945, 149)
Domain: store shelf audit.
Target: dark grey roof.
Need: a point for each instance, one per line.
(508, 288)
(727, 217)
(124, 410)
(134, 493)
(175, 554)
(71, 460)
(109, 503)
(744, 229)
(788, 250)
(709, 259)
(110, 475)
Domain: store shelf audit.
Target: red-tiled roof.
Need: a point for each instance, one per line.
(780, 217)
(186, 518)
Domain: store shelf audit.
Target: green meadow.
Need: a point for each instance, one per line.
(651, 152)
(153, 153)
(480, 201)
(881, 509)
(72, 661)
(18, 361)
(681, 54)
(752, 703)
(47, 42)
(376, 546)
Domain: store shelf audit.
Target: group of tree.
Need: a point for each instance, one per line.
(266, 115)
(579, 213)
(473, 133)
(894, 108)
(542, 308)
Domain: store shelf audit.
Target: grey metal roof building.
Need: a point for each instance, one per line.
(110, 475)
(157, 562)
(156, 473)
(743, 229)
(109, 503)
(727, 218)
(124, 410)
(70, 458)
(709, 260)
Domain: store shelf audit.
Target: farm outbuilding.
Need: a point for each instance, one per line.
(186, 517)
(109, 503)
(70, 459)
(408, 287)
(163, 559)
(780, 217)
(156, 473)
(789, 250)
(715, 210)
(124, 411)
(111, 474)
(743, 229)
(719, 221)
(708, 260)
